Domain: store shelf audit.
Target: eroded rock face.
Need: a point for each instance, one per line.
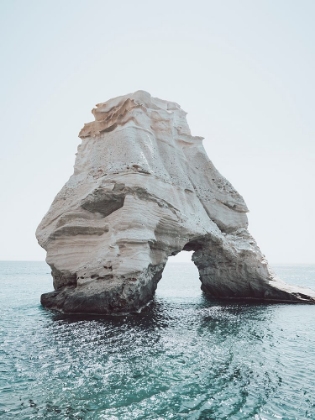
(143, 189)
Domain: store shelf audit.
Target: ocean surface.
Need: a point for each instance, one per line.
(184, 357)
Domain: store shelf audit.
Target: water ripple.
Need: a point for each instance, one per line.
(184, 357)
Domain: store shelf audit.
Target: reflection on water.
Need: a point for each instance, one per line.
(183, 357)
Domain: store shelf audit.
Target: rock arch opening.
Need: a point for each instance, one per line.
(180, 279)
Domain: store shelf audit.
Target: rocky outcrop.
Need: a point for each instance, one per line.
(143, 189)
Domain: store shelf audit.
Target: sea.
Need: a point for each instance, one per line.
(184, 357)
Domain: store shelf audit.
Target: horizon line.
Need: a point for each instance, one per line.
(180, 262)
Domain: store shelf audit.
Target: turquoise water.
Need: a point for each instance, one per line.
(185, 357)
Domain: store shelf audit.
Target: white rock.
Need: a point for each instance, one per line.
(143, 189)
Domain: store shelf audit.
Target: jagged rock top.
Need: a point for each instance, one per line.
(122, 110)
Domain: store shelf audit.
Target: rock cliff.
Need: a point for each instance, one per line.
(143, 189)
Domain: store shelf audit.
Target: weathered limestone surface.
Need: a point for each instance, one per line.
(143, 189)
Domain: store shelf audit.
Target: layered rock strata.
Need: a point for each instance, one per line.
(143, 189)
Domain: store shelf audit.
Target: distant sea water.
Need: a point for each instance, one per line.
(184, 357)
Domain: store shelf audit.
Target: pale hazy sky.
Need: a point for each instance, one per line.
(243, 70)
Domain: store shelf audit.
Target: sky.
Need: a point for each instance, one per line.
(242, 69)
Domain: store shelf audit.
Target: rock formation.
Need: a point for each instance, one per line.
(143, 189)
